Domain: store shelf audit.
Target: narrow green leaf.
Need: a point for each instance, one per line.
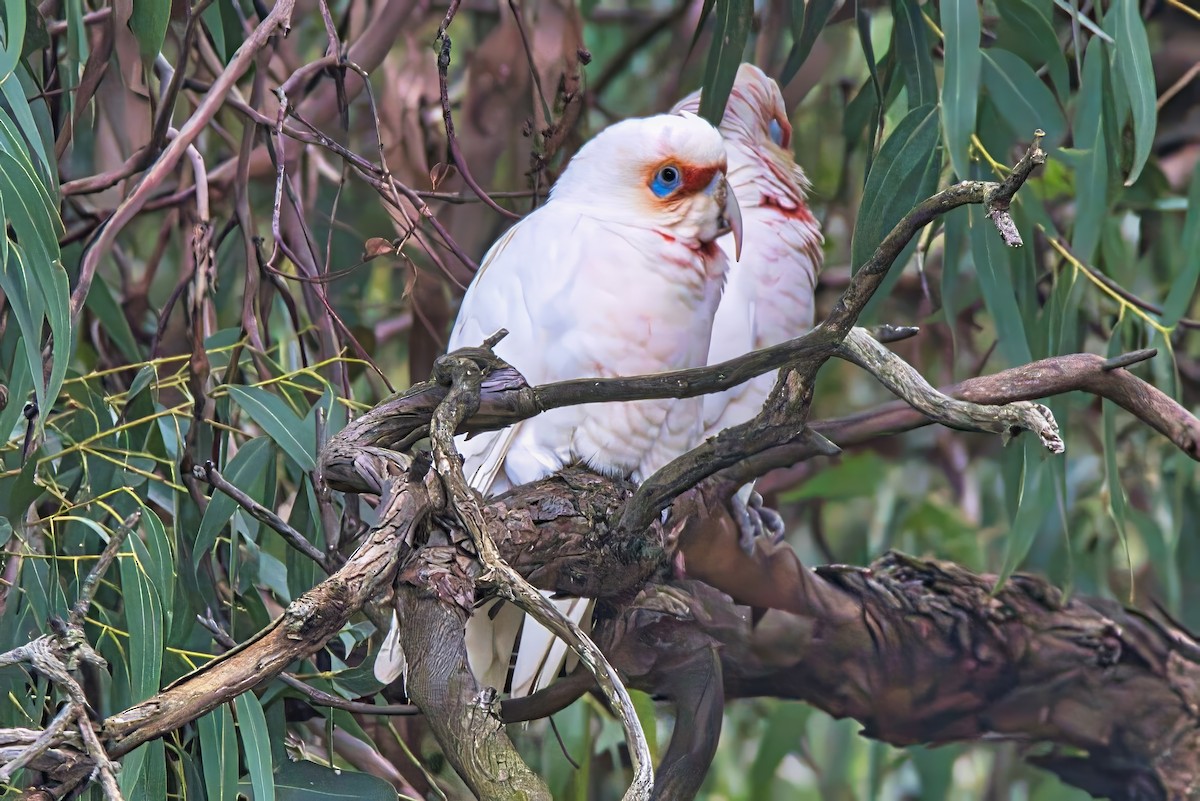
(1091, 166)
(905, 172)
(1028, 33)
(27, 307)
(278, 420)
(77, 51)
(705, 13)
(20, 384)
(1117, 505)
(308, 781)
(143, 614)
(33, 216)
(994, 268)
(149, 26)
(1028, 104)
(256, 744)
(100, 302)
(144, 621)
(1124, 21)
(46, 166)
(219, 751)
(214, 22)
(1034, 502)
(725, 56)
(144, 771)
(14, 36)
(1183, 288)
(644, 706)
(808, 20)
(784, 732)
(862, 24)
(935, 768)
(159, 561)
(960, 85)
(913, 53)
(955, 238)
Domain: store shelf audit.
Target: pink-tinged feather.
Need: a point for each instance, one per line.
(605, 279)
(768, 298)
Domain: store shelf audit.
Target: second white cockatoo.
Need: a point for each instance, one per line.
(769, 296)
(618, 274)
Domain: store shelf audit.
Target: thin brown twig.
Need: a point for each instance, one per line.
(1041, 379)
(291, 536)
(91, 582)
(278, 19)
(58, 27)
(1125, 294)
(317, 697)
(460, 160)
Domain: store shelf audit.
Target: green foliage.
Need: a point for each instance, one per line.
(938, 92)
(148, 22)
(731, 30)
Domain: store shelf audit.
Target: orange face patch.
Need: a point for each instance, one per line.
(696, 179)
(692, 178)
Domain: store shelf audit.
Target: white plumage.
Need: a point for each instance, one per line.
(769, 295)
(618, 274)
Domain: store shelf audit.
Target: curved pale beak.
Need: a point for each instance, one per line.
(731, 213)
(733, 219)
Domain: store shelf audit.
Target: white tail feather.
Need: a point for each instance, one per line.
(490, 642)
(540, 654)
(390, 663)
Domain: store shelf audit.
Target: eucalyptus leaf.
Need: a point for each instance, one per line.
(1026, 102)
(730, 35)
(808, 20)
(1124, 22)
(913, 53)
(280, 423)
(148, 22)
(219, 754)
(960, 86)
(904, 173)
(256, 744)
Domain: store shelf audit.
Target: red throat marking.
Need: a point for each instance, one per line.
(800, 212)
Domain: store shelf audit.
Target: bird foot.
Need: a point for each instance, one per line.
(755, 520)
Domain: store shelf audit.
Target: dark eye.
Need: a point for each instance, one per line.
(666, 180)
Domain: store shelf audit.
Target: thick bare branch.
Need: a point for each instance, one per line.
(922, 651)
(304, 628)
(1057, 375)
(903, 380)
(465, 378)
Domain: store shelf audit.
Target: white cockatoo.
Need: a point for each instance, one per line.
(769, 296)
(618, 274)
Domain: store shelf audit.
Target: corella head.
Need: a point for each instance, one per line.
(665, 172)
(755, 125)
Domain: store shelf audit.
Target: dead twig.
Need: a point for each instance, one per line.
(902, 379)
(456, 153)
(278, 20)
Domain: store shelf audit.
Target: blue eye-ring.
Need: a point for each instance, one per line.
(776, 132)
(666, 180)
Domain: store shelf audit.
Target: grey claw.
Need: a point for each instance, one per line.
(770, 521)
(749, 524)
